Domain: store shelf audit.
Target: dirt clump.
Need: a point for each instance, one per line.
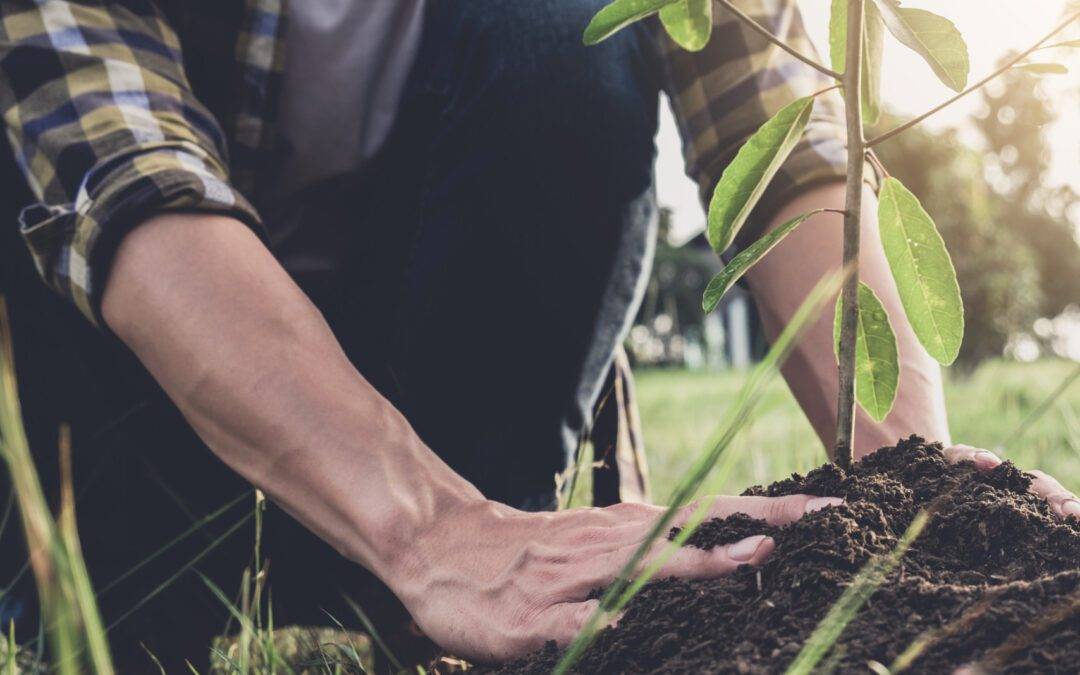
(994, 579)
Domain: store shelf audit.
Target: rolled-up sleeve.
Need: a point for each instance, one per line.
(722, 94)
(106, 131)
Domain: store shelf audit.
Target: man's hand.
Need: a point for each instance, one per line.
(491, 583)
(258, 373)
(1063, 502)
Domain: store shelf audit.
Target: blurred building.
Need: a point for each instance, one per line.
(672, 331)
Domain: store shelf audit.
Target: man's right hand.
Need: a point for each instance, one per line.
(490, 583)
(261, 378)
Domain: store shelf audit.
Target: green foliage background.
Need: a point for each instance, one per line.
(1015, 251)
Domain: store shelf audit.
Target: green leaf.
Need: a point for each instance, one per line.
(923, 270)
(618, 15)
(1043, 68)
(873, 45)
(746, 177)
(933, 37)
(746, 259)
(838, 35)
(689, 23)
(877, 361)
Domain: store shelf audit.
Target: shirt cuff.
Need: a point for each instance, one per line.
(73, 244)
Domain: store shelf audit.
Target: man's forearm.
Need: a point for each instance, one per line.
(259, 375)
(255, 369)
(780, 282)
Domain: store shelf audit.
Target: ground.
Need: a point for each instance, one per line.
(681, 409)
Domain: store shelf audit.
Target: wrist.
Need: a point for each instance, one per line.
(463, 527)
(416, 500)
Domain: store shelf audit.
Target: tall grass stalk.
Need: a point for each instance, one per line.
(160, 588)
(11, 663)
(864, 584)
(1040, 410)
(68, 607)
(749, 396)
(929, 638)
(370, 628)
(195, 527)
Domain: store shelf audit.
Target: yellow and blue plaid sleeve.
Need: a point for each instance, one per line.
(723, 93)
(107, 132)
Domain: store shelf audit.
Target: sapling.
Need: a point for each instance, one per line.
(867, 355)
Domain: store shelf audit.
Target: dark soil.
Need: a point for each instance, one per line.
(994, 579)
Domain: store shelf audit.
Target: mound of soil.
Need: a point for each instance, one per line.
(994, 580)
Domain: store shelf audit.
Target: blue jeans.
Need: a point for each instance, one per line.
(496, 248)
(480, 273)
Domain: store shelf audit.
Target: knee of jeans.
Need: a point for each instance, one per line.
(542, 79)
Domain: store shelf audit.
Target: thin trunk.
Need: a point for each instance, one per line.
(845, 411)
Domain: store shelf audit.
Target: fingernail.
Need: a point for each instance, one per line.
(1071, 508)
(743, 551)
(818, 503)
(986, 458)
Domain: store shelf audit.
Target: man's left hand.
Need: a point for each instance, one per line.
(1064, 503)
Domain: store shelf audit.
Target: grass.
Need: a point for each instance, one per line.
(629, 582)
(766, 438)
(679, 411)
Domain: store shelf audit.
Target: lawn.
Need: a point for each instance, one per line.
(681, 409)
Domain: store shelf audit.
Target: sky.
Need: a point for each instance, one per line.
(991, 28)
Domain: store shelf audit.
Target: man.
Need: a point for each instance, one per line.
(380, 255)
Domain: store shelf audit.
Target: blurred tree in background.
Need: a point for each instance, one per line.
(1015, 250)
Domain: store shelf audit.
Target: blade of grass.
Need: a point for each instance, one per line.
(68, 611)
(751, 393)
(1072, 427)
(203, 522)
(154, 658)
(995, 660)
(370, 627)
(93, 629)
(841, 613)
(581, 464)
(9, 503)
(180, 572)
(247, 629)
(42, 540)
(1040, 410)
(930, 637)
(672, 547)
(12, 650)
(348, 637)
(247, 626)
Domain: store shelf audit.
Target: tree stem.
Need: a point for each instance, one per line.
(1008, 64)
(764, 32)
(849, 309)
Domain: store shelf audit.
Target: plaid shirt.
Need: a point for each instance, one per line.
(98, 103)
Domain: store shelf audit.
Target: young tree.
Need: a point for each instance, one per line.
(869, 368)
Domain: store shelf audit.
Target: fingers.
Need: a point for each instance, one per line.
(1063, 502)
(983, 459)
(563, 622)
(773, 510)
(686, 562)
(694, 563)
